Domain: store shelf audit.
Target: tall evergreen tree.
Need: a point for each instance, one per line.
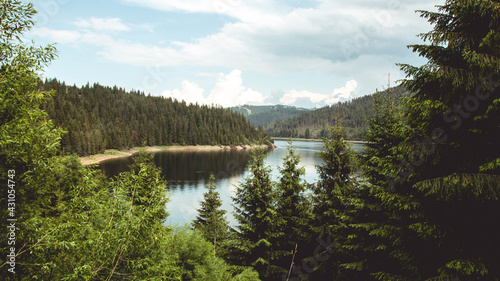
(73, 224)
(450, 157)
(211, 220)
(255, 210)
(336, 175)
(377, 210)
(336, 179)
(292, 206)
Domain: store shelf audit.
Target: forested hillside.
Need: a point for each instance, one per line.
(314, 124)
(421, 202)
(266, 114)
(98, 118)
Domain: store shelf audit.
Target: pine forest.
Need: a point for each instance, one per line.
(97, 118)
(314, 124)
(420, 202)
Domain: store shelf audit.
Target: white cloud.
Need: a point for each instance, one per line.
(206, 6)
(103, 24)
(60, 36)
(342, 93)
(190, 92)
(270, 37)
(350, 40)
(228, 91)
(268, 30)
(293, 95)
(239, 9)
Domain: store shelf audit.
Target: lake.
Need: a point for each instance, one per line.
(187, 173)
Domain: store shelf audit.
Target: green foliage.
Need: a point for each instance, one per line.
(384, 134)
(196, 260)
(336, 180)
(455, 94)
(376, 207)
(99, 118)
(211, 221)
(293, 209)
(80, 226)
(27, 137)
(292, 205)
(427, 210)
(25, 129)
(255, 210)
(71, 222)
(16, 19)
(318, 121)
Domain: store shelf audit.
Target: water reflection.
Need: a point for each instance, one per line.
(187, 173)
(188, 167)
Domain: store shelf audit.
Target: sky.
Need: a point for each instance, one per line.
(309, 53)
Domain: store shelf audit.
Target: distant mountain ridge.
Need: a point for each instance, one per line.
(314, 124)
(266, 114)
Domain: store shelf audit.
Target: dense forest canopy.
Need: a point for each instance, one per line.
(421, 202)
(69, 222)
(98, 118)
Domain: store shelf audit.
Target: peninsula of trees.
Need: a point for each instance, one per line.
(97, 118)
(421, 202)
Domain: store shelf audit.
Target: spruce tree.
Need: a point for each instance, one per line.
(255, 210)
(336, 176)
(336, 180)
(211, 219)
(73, 224)
(377, 211)
(293, 209)
(451, 152)
(291, 201)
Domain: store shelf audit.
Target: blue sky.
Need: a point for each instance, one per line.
(233, 52)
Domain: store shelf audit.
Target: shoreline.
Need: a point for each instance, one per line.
(115, 153)
(317, 140)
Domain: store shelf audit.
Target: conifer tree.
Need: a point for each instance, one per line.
(336, 176)
(336, 179)
(451, 155)
(378, 209)
(291, 202)
(293, 208)
(73, 224)
(255, 210)
(211, 219)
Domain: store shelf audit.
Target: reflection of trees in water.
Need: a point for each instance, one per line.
(113, 167)
(184, 169)
(195, 166)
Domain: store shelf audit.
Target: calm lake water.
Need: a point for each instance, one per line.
(187, 174)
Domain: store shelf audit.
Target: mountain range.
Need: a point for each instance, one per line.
(284, 121)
